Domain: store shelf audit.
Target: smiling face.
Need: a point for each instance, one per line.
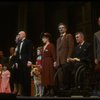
(79, 38)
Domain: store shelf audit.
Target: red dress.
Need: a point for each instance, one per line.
(5, 85)
(48, 58)
(39, 60)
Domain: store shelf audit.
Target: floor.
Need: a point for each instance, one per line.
(72, 97)
(60, 95)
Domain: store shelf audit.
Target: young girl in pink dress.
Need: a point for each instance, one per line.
(5, 85)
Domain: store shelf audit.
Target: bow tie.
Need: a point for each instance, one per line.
(22, 41)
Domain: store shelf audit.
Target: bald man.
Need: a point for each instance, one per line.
(24, 56)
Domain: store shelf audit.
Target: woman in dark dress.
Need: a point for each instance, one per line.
(48, 63)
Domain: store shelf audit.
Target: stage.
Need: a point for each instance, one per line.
(66, 95)
(54, 97)
(72, 97)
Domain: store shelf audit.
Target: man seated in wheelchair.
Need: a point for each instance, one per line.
(81, 58)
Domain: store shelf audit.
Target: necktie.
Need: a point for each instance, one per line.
(61, 37)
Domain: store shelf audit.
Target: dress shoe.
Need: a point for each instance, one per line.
(47, 94)
(18, 94)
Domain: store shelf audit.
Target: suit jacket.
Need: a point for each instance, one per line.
(11, 61)
(83, 52)
(26, 51)
(64, 48)
(97, 45)
(3, 60)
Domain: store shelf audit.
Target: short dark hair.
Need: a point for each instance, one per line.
(62, 24)
(45, 34)
(79, 33)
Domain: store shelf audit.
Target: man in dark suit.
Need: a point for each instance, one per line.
(81, 58)
(24, 56)
(12, 67)
(65, 46)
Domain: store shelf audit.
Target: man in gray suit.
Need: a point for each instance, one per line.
(97, 45)
(97, 54)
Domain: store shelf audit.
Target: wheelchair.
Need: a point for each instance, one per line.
(83, 77)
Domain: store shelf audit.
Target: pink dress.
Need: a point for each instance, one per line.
(5, 85)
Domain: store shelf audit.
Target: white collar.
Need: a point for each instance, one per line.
(62, 35)
(23, 39)
(80, 44)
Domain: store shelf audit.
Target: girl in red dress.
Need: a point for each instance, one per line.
(37, 78)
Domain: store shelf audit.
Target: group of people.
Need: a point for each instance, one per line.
(55, 67)
(18, 65)
(59, 64)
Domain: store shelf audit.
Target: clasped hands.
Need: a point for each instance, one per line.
(73, 59)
